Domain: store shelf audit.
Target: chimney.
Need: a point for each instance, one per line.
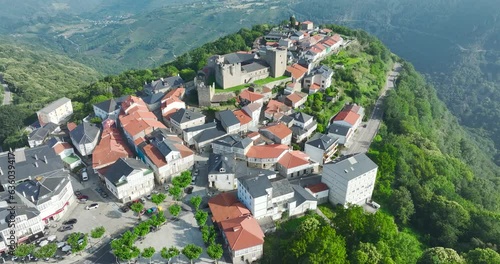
(1, 172)
(45, 159)
(32, 199)
(36, 164)
(36, 157)
(24, 194)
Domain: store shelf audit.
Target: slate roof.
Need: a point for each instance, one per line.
(185, 115)
(227, 118)
(21, 209)
(301, 195)
(255, 66)
(123, 167)
(39, 134)
(338, 129)
(229, 140)
(54, 105)
(233, 58)
(43, 188)
(210, 134)
(201, 127)
(301, 117)
(108, 106)
(243, 143)
(352, 167)
(153, 98)
(216, 162)
(321, 141)
(84, 133)
(164, 83)
(281, 187)
(256, 185)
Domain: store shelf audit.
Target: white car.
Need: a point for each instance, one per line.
(85, 177)
(92, 206)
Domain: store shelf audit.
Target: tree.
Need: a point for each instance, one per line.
(201, 217)
(97, 232)
(24, 250)
(142, 229)
(169, 253)
(183, 180)
(73, 241)
(175, 191)
(174, 210)
(215, 252)
(440, 255)
(196, 201)
(137, 207)
(158, 198)
(482, 256)
(148, 253)
(192, 252)
(46, 251)
(367, 253)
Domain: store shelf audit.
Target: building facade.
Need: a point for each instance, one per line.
(56, 112)
(129, 179)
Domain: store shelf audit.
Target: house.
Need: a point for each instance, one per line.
(296, 99)
(244, 119)
(347, 118)
(341, 133)
(286, 42)
(171, 102)
(307, 25)
(351, 180)
(221, 173)
(85, 137)
(265, 156)
(111, 147)
(320, 76)
(319, 191)
(278, 133)
(37, 137)
(253, 110)
(314, 88)
(56, 112)
(297, 72)
(291, 88)
(66, 152)
(186, 118)
(128, 179)
(203, 140)
(189, 134)
(267, 93)
(153, 101)
(107, 108)
(246, 96)
(41, 181)
(228, 120)
(163, 85)
(321, 148)
(295, 164)
(28, 225)
(275, 109)
(303, 126)
(241, 232)
(232, 145)
(301, 202)
(166, 155)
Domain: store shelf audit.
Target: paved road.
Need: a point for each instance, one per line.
(7, 97)
(364, 135)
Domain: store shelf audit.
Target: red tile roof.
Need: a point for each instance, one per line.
(267, 151)
(336, 37)
(307, 22)
(294, 159)
(111, 148)
(226, 206)
(347, 116)
(275, 107)
(250, 96)
(243, 232)
(296, 70)
(71, 126)
(316, 188)
(242, 117)
(314, 86)
(177, 93)
(62, 146)
(266, 89)
(280, 130)
(352, 107)
(253, 135)
(295, 97)
(132, 104)
(155, 156)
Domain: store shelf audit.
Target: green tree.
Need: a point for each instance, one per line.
(192, 252)
(148, 253)
(46, 251)
(97, 232)
(402, 205)
(215, 252)
(187, 74)
(158, 198)
(440, 255)
(175, 191)
(24, 250)
(75, 245)
(367, 253)
(174, 210)
(183, 180)
(142, 229)
(137, 208)
(482, 256)
(196, 201)
(169, 253)
(201, 217)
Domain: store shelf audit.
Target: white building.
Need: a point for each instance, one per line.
(321, 148)
(229, 122)
(319, 191)
(56, 112)
(253, 110)
(27, 225)
(301, 202)
(107, 108)
(221, 173)
(189, 134)
(129, 179)
(186, 118)
(322, 76)
(85, 137)
(232, 145)
(295, 164)
(351, 181)
(303, 126)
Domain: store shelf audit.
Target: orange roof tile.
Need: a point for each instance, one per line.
(352, 107)
(154, 155)
(267, 151)
(266, 89)
(316, 188)
(71, 126)
(253, 135)
(185, 151)
(317, 38)
(111, 147)
(319, 47)
(314, 86)
(336, 37)
(242, 117)
(280, 130)
(62, 146)
(307, 22)
(250, 96)
(348, 116)
(275, 107)
(294, 97)
(226, 206)
(178, 92)
(138, 141)
(133, 103)
(294, 159)
(243, 232)
(296, 70)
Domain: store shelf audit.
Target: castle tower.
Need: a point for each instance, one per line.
(277, 58)
(205, 93)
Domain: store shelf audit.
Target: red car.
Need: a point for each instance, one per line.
(82, 197)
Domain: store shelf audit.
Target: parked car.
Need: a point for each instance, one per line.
(193, 180)
(65, 228)
(92, 206)
(189, 190)
(125, 208)
(85, 176)
(143, 200)
(71, 221)
(78, 193)
(151, 210)
(167, 187)
(148, 197)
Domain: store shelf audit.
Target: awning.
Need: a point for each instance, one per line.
(57, 212)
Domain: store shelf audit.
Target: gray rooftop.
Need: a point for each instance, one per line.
(165, 146)
(30, 162)
(256, 185)
(210, 134)
(351, 167)
(286, 119)
(123, 167)
(153, 98)
(227, 118)
(301, 117)
(323, 70)
(54, 105)
(243, 143)
(39, 134)
(233, 58)
(321, 141)
(338, 129)
(255, 66)
(84, 133)
(220, 164)
(163, 83)
(201, 127)
(21, 209)
(281, 187)
(185, 115)
(301, 195)
(108, 106)
(42, 189)
(229, 140)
